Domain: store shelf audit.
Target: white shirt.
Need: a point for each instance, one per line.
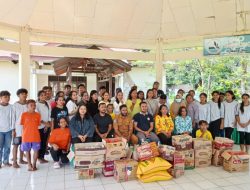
(203, 112)
(18, 109)
(117, 107)
(244, 118)
(6, 113)
(71, 107)
(216, 112)
(45, 112)
(230, 110)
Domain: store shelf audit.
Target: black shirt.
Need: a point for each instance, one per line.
(92, 108)
(58, 113)
(103, 122)
(143, 121)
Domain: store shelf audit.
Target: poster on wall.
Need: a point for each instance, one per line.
(227, 45)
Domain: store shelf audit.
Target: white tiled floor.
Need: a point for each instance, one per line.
(213, 178)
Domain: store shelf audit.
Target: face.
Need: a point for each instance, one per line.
(81, 89)
(110, 109)
(82, 110)
(203, 127)
(162, 101)
(124, 111)
(216, 97)
(189, 99)
(85, 96)
(102, 108)
(106, 96)
(181, 92)
(155, 93)
(164, 110)
(23, 96)
(141, 95)
(49, 94)
(67, 90)
(32, 107)
(74, 96)
(61, 94)
(134, 94)
(245, 99)
(42, 96)
(62, 123)
(183, 112)
(120, 96)
(156, 85)
(229, 97)
(192, 93)
(203, 99)
(144, 108)
(60, 101)
(150, 94)
(5, 99)
(95, 96)
(178, 99)
(222, 97)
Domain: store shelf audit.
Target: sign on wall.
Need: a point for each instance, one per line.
(227, 45)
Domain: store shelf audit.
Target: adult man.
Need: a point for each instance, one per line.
(103, 124)
(67, 89)
(144, 125)
(156, 86)
(163, 101)
(49, 95)
(81, 89)
(192, 111)
(123, 125)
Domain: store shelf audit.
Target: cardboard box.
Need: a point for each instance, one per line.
(108, 169)
(235, 161)
(182, 142)
(202, 162)
(189, 158)
(217, 160)
(203, 153)
(178, 163)
(200, 143)
(222, 143)
(89, 162)
(147, 151)
(86, 174)
(115, 148)
(89, 149)
(167, 152)
(125, 170)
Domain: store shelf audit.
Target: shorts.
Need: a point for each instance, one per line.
(25, 147)
(244, 138)
(17, 141)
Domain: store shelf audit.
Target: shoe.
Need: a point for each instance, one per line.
(46, 152)
(43, 161)
(56, 165)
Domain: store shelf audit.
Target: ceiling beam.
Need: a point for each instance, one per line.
(8, 46)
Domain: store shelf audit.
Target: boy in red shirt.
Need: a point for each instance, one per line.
(30, 121)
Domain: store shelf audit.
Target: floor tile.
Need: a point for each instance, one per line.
(206, 184)
(116, 186)
(97, 187)
(188, 186)
(173, 187)
(92, 182)
(221, 182)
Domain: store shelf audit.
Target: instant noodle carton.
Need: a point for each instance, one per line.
(182, 142)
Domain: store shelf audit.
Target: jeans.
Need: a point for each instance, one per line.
(5, 144)
(152, 138)
(58, 154)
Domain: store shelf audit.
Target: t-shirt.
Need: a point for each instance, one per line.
(58, 113)
(60, 137)
(204, 112)
(6, 118)
(71, 107)
(45, 111)
(244, 118)
(102, 122)
(143, 121)
(92, 108)
(30, 123)
(206, 136)
(18, 109)
(230, 109)
(136, 108)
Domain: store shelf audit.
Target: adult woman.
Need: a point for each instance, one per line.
(133, 103)
(82, 126)
(92, 105)
(118, 102)
(216, 114)
(175, 106)
(164, 125)
(183, 122)
(85, 98)
(105, 98)
(152, 103)
(203, 108)
(243, 122)
(71, 104)
(140, 95)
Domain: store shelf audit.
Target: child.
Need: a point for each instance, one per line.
(110, 109)
(60, 143)
(19, 107)
(5, 128)
(30, 121)
(203, 132)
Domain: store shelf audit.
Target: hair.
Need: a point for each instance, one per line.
(139, 92)
(219, 102)
(203, 94)
(160, 113)
(130, 92)
(31, 101)
(117, 90)
(203, 122)
(59, 92)
(242, 103)
(222, 93)
(232, 93)
(100, 104)
(102, 88)
(92, 92)
(110, 105)
(21, 90)
(67, 86)
(4, 93)
(180, 109)
(123, 106)
(104, 93)
(191, 91)
(78, 117)
(65, 119)
(47, 88)
(163, 96)
(116, 99)
(189, 95)
(149, 90)
(80, 85)
(71, 93)
(39, 94)
(142, 103)
(180, 90)
(57, 98)
(156, 82)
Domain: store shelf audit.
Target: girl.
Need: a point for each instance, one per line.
(230, 108)
(164, 125)
(71, 105)
(216, 114)
(140, 95)
(44, 109)
(203, 108)
(175, 106)
(183, 122)
(243, 122)
(133, 103)
(59, 111)
(60, 143)
(85, 98)
(92, 105)
(53, 102)
(118, 102)
(105, 98)
(152, 103)
(82, 126)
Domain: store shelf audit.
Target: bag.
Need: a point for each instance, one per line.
(155, 176)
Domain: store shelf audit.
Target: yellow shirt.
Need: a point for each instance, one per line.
(112, 116)
(207, 135)
(163, 123)
(136, 108)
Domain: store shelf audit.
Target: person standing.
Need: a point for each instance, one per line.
(152, 103)
(203, 108)
(80, 88)
(67, 90)
(92, 105)
(133, 103)
(175, 106)
(193, 112)
(71, 104)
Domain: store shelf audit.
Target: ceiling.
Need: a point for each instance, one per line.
(129, 21)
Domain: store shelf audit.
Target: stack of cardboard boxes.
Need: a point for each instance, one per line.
(202, 152)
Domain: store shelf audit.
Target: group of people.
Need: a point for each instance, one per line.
(75, 116)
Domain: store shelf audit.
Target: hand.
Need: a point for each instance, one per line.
(64, 151)
(147, 133)
(82, 138)
(104, 136)
(14, 133)
(55, 147)
(168, 134)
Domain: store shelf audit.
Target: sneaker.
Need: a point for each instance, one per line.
(56, 165)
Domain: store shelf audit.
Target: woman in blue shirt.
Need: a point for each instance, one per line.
(183, 122)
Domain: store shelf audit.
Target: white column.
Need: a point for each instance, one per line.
(25, 61)
(159, 69)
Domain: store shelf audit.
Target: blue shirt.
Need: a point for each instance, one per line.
(183, 124)
(143, 121)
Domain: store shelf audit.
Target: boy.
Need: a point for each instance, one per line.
(19, 107)
(5, 128)
(203, 132)
(30, 121)
(110, 109)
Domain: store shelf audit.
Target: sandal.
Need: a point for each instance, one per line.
(15, 165)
